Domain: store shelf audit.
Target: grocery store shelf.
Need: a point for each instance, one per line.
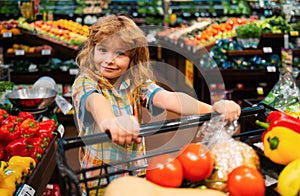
(272, 35)
(245, 52)
(296, 52)
(31, 77)
(28, 55)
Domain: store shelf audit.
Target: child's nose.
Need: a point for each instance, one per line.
(109, 57)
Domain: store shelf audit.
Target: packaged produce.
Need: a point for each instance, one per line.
(285, 95)
(282, 137)
(227, 152)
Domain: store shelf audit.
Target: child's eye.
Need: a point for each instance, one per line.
(120, 53)
(102, 50)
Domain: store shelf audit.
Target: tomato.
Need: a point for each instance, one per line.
(246, 181)
(197, 162)
(165, 170)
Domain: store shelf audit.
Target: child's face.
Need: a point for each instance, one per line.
(111, 58)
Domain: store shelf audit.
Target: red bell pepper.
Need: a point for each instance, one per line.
(9, 132)
(281, 138)
(37, 147)
(13, 119)
(29, 127)
(2, 152)
(47, 129)
(3, 115)
(277, 118)
(18, 147)
(52, 190)
(24, 115)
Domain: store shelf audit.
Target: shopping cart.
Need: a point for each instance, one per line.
(74, 181)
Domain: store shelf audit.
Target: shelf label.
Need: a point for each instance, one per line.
(25, 190)
(73, 71)
(181, 44)
(267, 50)
(20, 52)
(189, 73)
(61, 130)
(294, 33)
(271, 69)
(260, 90)
(159, 51)
(46, 52)
(189, 47)
(7, 34)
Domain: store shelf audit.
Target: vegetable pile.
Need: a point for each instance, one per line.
(194, 166)
(23, 141)
(22, 135)
(14, 172)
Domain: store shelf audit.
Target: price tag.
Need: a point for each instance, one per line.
(159, 51)
(294, 33)
(189, 48)
(7, 34)
(73, 71)
(46, 52)
(267, 50)
(20, 52)
(260, 90)
(61, 130)
(25, 190)
(271, 69)
(194, 49)
(181, 44)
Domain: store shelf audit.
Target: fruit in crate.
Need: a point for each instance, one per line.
(63, 30)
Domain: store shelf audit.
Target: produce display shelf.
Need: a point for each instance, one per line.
(42, 174)
(247, 52)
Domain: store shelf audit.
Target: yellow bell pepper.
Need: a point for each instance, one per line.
(3, 165)
(281, 145)
(27, 162)
(19, 170)
(5, 192)
(9, 182)
(289, 179)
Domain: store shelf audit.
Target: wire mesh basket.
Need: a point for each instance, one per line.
(76, 181)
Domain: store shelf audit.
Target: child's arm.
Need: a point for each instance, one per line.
(182, 103)
(123, 129)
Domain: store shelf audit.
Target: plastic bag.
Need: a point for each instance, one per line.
(285, 95)
(228, 152)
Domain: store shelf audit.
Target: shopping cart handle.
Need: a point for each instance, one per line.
(157, 127)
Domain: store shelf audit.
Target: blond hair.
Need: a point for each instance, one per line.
(134, 41)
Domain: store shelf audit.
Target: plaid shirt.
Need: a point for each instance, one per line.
(122, 104)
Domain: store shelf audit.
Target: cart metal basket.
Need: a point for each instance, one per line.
(73, 182)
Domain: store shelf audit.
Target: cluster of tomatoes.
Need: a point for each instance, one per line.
(195, 163)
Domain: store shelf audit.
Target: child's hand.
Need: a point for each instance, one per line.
(229, 109)
(123, 129)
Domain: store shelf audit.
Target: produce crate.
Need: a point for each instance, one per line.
(76, 180)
